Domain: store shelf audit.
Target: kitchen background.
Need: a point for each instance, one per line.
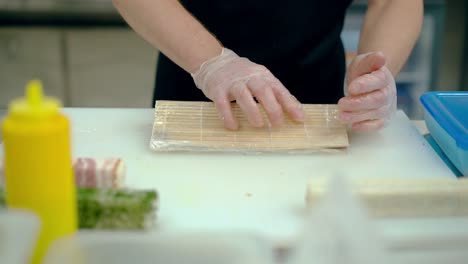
(88, 57)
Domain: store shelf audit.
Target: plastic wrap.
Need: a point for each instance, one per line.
(149, 248)
(113, 209)
(94, 173)
(99, 173)
(404, 197)
(337, 230)
(195, 126)
(116, 209)
(19, 230)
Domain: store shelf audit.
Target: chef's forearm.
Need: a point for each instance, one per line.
(167, 26)
(391, 26)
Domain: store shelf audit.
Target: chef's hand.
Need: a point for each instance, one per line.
(229, 77)
(371, 99)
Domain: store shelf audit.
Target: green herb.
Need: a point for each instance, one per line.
(113, 209)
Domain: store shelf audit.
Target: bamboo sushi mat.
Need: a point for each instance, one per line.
(196, 126)
(403, 197)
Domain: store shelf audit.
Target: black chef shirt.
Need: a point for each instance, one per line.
(297, 40)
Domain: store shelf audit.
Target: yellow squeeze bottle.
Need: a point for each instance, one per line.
(38, 165)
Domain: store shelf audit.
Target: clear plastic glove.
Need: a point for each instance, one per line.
(229, 77)
(371, 99)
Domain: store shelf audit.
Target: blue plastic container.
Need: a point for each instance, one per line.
(446, 116)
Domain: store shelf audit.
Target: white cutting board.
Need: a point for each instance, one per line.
(263, 193)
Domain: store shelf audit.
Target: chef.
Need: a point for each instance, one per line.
(278, 54)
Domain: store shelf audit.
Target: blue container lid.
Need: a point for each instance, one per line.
(450, 110)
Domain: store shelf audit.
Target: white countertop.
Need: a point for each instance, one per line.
(259, 193)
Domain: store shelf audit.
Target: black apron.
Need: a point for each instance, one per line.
(297, 40)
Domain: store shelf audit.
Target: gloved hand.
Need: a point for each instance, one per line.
(371, 99)
(229, 77)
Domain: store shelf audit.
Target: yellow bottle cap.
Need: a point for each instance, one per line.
(34, 105)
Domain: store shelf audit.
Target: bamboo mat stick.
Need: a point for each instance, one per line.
(404, 197)
(196, 126)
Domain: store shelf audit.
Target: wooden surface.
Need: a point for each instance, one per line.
(405, 197)
(196, 126)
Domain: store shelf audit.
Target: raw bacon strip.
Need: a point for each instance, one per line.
(94, 173)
